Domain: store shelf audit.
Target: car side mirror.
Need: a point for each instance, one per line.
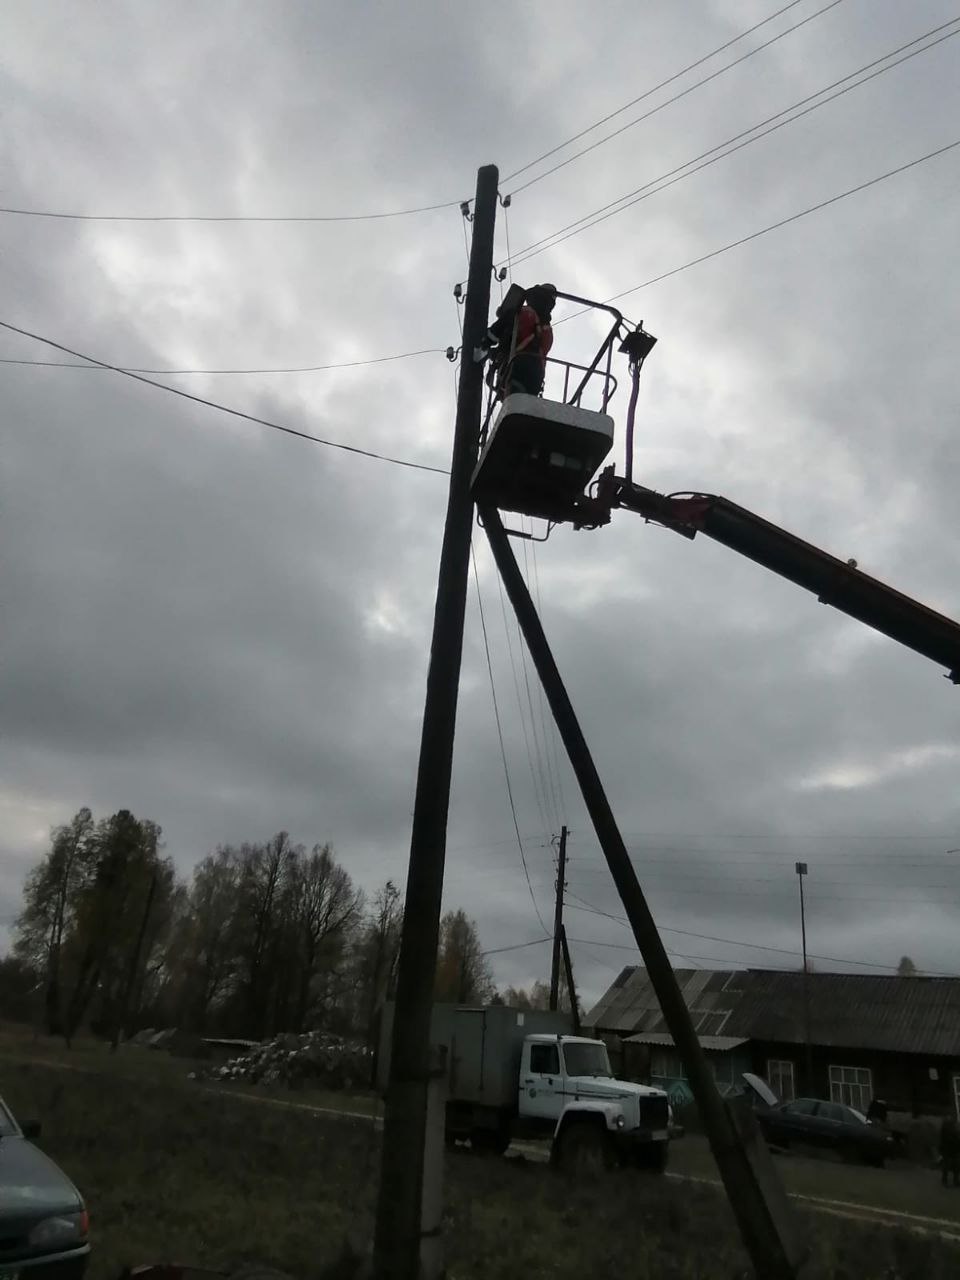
(31, 1130)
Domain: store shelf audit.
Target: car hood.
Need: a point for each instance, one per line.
(758, 1086)
(31, 1185)
(608, 1087)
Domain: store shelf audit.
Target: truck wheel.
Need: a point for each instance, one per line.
(584, 1149)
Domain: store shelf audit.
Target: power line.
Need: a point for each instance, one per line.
(309, 368)
(709, 157)
(236, 413)
(676, 97)
(740, 894)
(734, 942)
(503, 750)
(516, 946)
(679, 955)
(543, 757)
(774, 226)
(691, 66)
(233, 217)
(523, 718)
(550, 739)
(538, 755)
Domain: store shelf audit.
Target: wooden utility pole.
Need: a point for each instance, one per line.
(558, 922)
(757, 1198)
(571, 985)
(399, 1206)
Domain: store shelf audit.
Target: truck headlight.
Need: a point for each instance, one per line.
(60, 1232)
(620, 1122)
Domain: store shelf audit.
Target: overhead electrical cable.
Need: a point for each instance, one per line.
(737, 142)
(784, 222)
(538, 750)
(553, 760)
(222, 408)
(734, 942)
(774, 226)
(516, 946)
(308, 368)
(698, 84)
(691, 66)
(545, 825)
(230, 217)
(503, 750)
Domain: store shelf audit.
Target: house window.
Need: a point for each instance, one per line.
(852, 1086)
(956, 1095)
(666, 1064)
(780, 1079)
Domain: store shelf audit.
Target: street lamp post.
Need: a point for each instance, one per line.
(808, 1051)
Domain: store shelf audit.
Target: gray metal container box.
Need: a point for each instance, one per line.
(483, 1048)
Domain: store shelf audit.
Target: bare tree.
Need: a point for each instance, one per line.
(50, 902)
(327, 907)
(463, 974)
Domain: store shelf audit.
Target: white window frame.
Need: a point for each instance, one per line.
(782, 1068)
(851, 1086)
(956, 1095)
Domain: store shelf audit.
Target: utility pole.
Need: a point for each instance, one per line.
(571, 985)
(808, 1050)
(756, 1196)
(558, 922)
(399, 1206)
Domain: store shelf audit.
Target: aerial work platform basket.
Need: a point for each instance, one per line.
(540, 454)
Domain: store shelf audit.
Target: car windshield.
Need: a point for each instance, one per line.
(588, 1059)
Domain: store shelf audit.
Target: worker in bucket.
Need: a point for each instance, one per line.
(524, 336)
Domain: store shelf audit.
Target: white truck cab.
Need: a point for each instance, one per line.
(521, 1074)
(567, 1082)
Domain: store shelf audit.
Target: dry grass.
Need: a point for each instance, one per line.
(174, 1171)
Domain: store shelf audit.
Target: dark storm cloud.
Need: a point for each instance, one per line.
(227, 630)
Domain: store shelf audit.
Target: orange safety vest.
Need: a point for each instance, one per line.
(532, 335)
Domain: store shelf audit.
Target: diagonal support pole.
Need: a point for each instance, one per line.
(756, 1195)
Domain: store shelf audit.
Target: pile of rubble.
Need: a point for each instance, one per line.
(316, 1057)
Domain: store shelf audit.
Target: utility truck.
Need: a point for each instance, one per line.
(521, 1074)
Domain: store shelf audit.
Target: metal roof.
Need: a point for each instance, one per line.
(722, 1044)
(847, 1010)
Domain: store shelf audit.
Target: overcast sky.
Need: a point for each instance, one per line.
(226, 629)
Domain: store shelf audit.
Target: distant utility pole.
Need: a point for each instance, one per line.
(399, 1206)
(808, 1051)
(558, 922)
(571, 985)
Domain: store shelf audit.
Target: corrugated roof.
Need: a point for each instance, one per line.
(847, 1010)
(721, 1043)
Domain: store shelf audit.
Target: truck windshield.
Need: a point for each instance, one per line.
(588, 1059)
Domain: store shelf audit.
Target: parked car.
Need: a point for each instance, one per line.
(43, 1220)
(813, 1122)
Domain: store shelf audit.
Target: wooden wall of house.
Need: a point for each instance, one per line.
(904, 1081)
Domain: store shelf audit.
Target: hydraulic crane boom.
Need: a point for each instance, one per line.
(833, 581)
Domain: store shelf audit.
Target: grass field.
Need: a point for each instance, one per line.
(171, 1170)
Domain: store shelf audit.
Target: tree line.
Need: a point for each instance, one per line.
(261, 938)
